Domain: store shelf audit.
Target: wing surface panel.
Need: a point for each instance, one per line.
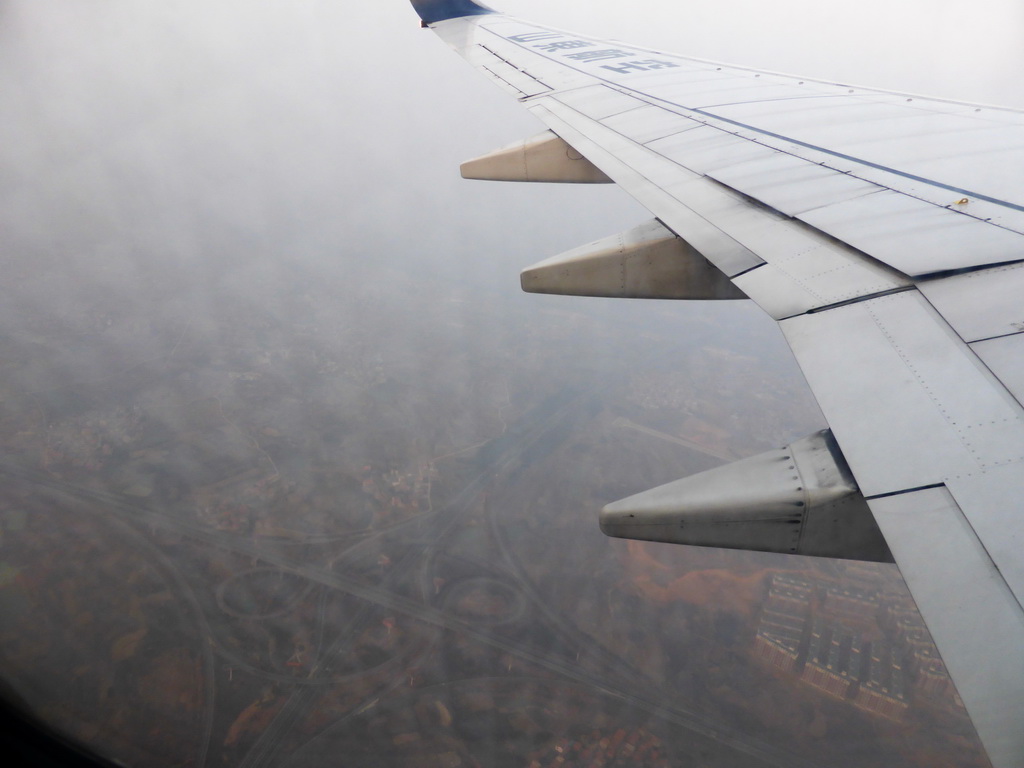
(980, 305)
(599, 102)
(817, 276)
(908, 401)
(831, 116)
(1005, 358)
(707, 148)
(974, 618)
(791, 185)
(520, 84)
(713, 92)
(532, 63)
(990, 502)
(914, 236)
(649, 123)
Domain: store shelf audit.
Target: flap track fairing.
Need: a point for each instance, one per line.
(544, 157)
(646, 262)
(800, 500)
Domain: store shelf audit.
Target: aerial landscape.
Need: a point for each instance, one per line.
(287, 537)
(294, 476)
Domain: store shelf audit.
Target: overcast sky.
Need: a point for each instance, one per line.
(349, 109)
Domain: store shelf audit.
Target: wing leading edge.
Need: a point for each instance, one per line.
(885, 233)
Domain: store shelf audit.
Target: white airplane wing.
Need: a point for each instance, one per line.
(885, 233)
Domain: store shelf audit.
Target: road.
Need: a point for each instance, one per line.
(528, 440)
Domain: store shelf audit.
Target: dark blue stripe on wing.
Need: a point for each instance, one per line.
(439, 10)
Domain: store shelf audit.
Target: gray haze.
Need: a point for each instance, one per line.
(293, 470)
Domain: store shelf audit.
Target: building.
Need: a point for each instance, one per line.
(800, 631)
(883, 689)
(780, 633)
(851, 602)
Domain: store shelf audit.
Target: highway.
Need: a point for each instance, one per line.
(528, 440)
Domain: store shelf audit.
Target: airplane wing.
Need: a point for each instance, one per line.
(885, 234)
